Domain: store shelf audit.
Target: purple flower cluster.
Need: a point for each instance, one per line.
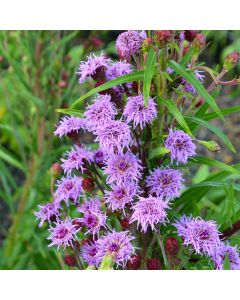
(100, 113)
(92, 66)
(122, 168)
(129, 43)
(150, 212)
(118, 69)
(114, 136)
(202, 236)
(68, 188)
(122, 193)
(76, 159)
(69, 125)
(166, 184)
(135, 111)
(93, 218)
(180, 145)
(47, 212)
(117, 245)
(63, 234)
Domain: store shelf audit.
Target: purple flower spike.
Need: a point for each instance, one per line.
(69, 125)
(135, 111)
(88, 253)
(100, 112)
(93, 65)
(202, 236)
(122, 193)
(149, 212)
(129, 43)
(68, 188)
(117, 245)
(47, 212)
(114, 136)
(226, 250)
(122, 167)
(63, 234)
(76, 159)
(180, 145)
(166, 184)
(118, 69)
(93, 217)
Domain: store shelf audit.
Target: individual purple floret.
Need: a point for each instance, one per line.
(117, 245)
(149, 212)
(114, 136)
(180, 145)
(202, 236)
(169, 70)
(92, 66)
(129, 43)
(93, 217)
(77, 157)
(68, 188)
(188, 88)
(88, 253)
(135, 111)
(63, 234)
(122, 167)
(226, 250)
(166, 184)
(181, 36)
(199, 75)
(47, 212)
(118, 69)
(121, 194)
(100, 112)
(69, 125)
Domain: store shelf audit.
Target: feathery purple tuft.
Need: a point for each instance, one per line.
(69, 125)
(47, 212)
(88, 253)
(226, 250)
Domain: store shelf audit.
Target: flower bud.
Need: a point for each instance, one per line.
(70, 260)
(162, 37)
(199, 42)
(211, 145)
(88, 184)
(134, 263)
(190, 35)
(147, 44)
(231, 60)
(62, 84)
(172, 246)
(56, 169)
(125, 223)
(154, 264)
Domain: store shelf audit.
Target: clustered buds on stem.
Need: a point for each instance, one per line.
(119, 189)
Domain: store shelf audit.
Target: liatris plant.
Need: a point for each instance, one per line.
(126, 201)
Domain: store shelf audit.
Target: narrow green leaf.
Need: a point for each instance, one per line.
(148, 74)
(187, 57)
(177, 115)
(11, 160)
(117, 81)
(214, 163)
(70, 111)
(198, 86)
(225, 112)
(214, 129)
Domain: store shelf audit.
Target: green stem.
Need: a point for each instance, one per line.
(160, 241)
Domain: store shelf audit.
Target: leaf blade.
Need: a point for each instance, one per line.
(148, 74)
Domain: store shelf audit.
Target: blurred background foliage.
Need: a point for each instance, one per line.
(37, 76)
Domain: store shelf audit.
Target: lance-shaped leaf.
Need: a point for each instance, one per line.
(148, 74)
(71, 112)
(137, 76)
(190, 78)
